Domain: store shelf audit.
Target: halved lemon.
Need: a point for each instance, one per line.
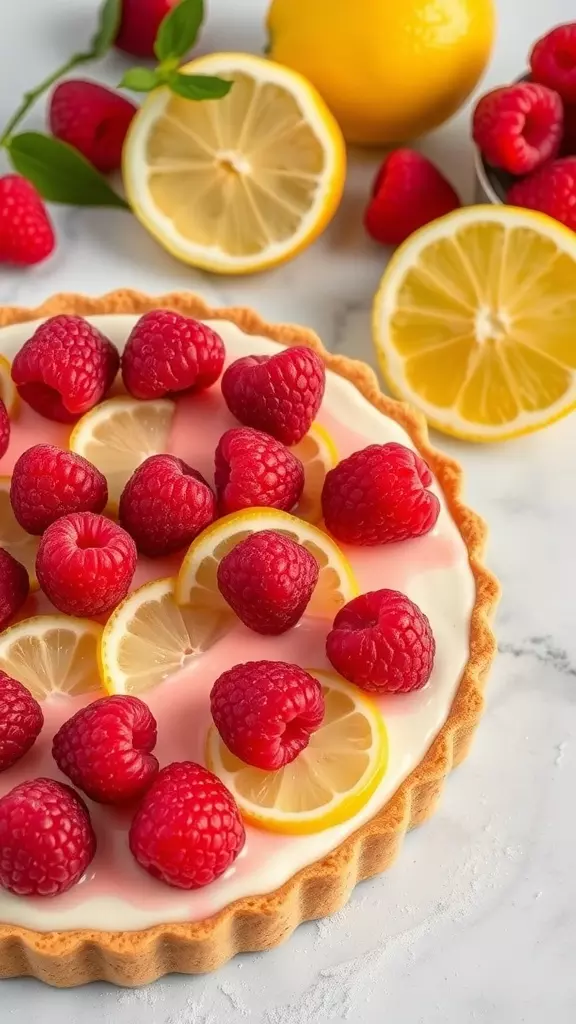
(328, 782)
(241, 183)
(318, 454)
(474, 322)
(21, 545)
(8, 392)
(149, 637)
(52, 654)
(197, 585)
(119, 434)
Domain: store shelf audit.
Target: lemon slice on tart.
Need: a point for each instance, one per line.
(21, 545)
(474, 322)
(8, 392)
(317, 453)
(119, 434)
(196, 583)
(52, 654)
(241, 183)
(329, 781)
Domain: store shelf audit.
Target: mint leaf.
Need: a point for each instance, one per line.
(178, 30)
(140, 79)
(108, 25)
(198, 87)
(59, 172)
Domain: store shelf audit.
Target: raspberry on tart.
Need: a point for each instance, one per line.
(268, 580)
(4, 429)
(266, 711)
(251, 468)
(48, 483)
(14, 587)
(382, 642)
(168, 353)
(188, 830)
(165, 505)
(21, 721)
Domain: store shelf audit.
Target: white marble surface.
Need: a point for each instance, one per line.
(477, 920)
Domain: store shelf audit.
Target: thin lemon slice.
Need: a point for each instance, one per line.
(8, 392)
(148, 638)
(318, 454)
(328, 782)
(52, 654)
(21, 545)
(474, 322)
(119, 434)
(241, 183)
(196, 584)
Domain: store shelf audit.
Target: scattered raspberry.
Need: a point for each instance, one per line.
(551, 189)
(105, 749)
(553, 61)
(518, 127)
(188, 830)
(167, 354)
(378, 495)
(139, 25)
(93, 119)
(382, 642)
(14, 587)
(85, 564)
(266, 711)
(26, 233)
(21, 721)
(48, 483)
(268, 580)
(165, 505)
(46, 839)
(409, 192)
(279, 394)
(252, 468)
(4, 429)
(65, 368)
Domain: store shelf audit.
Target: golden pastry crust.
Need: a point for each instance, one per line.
(135, 958)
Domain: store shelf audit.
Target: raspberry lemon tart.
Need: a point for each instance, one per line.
(255, 643)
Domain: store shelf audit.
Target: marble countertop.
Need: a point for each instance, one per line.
(477, 920)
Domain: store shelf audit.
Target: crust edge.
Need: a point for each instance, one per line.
(66, 959)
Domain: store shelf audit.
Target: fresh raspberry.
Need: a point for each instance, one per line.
(21, 721)
(252, 468)
(65, 368)
(48, 482)
(93, 119)
(378, 495)
(46, 839)
(139, 25)
(268, 580)
(569, 139)
(26, 233)
(85, 564)
(518, 127)
(266, 711)
(553, 61)
(167, 354)
(382, 642)
(4, 429)
(279, 394)
(105, 749)
(551, 189)
(14, 587)
(165, 505)
(188, 829)
(409, 191)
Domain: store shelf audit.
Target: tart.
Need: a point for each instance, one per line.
(279, 880)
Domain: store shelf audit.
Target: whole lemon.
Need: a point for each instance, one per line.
(390, 70)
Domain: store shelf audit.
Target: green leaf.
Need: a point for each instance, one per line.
(198, 87)
(141, 79)
(108, 25)
(59, 172)
(178, 30)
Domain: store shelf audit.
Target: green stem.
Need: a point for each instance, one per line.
(30, 97)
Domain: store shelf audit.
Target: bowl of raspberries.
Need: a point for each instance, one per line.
(525, 133)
